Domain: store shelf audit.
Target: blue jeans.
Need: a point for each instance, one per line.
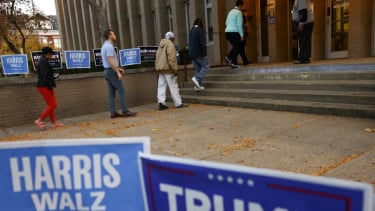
(114, 84)
(201, 66)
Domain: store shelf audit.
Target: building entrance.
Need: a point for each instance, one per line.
(337, 28)
(263, 48)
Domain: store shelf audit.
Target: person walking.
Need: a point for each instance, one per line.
(303, 18)
(45, 85)
(167, 68)
(113, 76)
(234, 33)
(198, 53)
(242, 50)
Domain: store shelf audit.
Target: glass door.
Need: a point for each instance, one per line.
(337, 28)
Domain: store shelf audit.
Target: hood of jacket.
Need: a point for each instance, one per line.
(164, 42)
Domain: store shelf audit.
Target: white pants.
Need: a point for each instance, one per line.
(169, 80)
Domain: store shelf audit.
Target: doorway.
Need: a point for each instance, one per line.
(263, 47)
(337, 28)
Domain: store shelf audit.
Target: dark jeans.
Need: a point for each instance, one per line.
(114, 84)
(234, 39)
(304, 41)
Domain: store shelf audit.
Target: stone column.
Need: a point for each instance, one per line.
(360, 22)
(135, 30)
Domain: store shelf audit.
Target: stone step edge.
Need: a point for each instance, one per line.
(293, 103)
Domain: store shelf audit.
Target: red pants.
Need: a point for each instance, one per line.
(50, 99)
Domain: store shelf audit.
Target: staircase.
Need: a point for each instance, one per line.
(346, 89)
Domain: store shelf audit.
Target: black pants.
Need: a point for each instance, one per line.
(304, 41)
(234, 39)
(242, 53)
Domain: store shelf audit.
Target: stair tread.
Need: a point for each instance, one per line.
(339, 82)
(295, 92)
(246, 72)
(285, 102)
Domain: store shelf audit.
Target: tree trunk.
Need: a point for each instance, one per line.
(99, 8)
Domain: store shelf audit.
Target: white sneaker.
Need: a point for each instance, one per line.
(234, 66)
(197, 89)
(195, 81)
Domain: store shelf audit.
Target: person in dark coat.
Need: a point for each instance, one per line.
(198, 53)
(45, 85)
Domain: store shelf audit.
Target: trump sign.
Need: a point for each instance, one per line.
(81, 174)
(175, 184)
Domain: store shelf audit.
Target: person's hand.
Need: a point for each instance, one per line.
(121, 70)
(119, 75)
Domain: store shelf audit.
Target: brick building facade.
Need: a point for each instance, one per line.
(343, 28)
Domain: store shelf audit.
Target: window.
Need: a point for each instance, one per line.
(57, 42)
(209, 24)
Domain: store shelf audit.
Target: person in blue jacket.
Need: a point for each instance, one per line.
(234, 33)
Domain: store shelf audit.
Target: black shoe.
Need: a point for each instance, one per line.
(301, 61)
(128, 114)
(115, 115)
(182, 106)
(162, 107)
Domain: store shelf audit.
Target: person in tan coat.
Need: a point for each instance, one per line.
(167, 68)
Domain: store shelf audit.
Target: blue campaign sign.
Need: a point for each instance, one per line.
(130, 56)
(80, 174)
(55, 61)
(77, 59)
(181, 184)
(15, 64)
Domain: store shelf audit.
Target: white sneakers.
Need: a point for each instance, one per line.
(197, 87)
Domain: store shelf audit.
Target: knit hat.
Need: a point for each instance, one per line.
(169, 35)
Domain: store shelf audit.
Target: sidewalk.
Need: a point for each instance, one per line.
(332, 146)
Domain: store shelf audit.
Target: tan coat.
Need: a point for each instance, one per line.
(166, 57)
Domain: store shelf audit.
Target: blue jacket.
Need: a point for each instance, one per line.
(197, 43)
(234, 22)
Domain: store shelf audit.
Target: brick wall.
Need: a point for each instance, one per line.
(20, 102)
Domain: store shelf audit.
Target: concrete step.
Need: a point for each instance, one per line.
(327, 66)
(347, 90)
(245, 75)
(365, 98)
(345, 85)
(354, 110)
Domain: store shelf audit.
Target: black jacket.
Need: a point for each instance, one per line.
(45, 74)
(197, 43)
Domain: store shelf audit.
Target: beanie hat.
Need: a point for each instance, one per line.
(169, 35)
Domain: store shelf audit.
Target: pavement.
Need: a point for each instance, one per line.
(321, 145)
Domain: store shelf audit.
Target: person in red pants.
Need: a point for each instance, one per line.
(45, 85)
